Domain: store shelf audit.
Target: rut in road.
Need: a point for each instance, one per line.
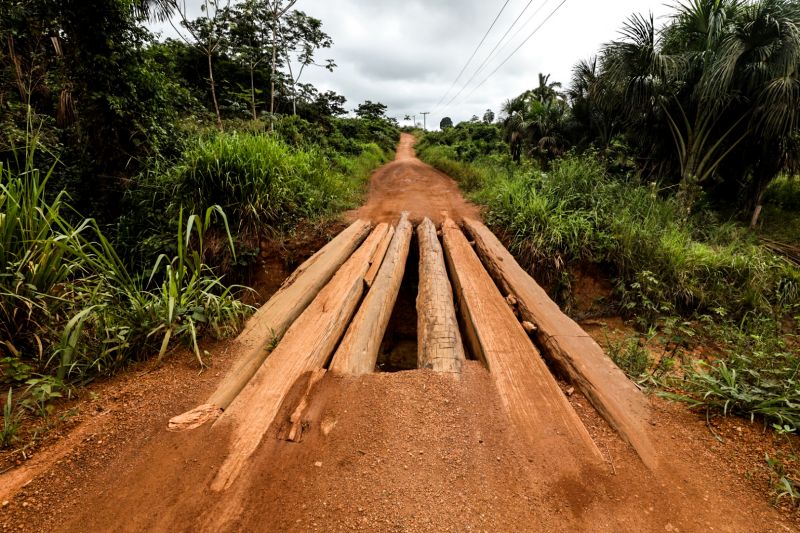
(310, 431)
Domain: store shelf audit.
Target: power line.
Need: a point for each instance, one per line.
(464, 68)
(486, 60)
(522, 27)
(517, 49)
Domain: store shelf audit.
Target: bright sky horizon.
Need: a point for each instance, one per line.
(407, 55)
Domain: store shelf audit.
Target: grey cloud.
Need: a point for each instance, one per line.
(407, 54)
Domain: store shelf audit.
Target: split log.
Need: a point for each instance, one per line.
(298, 419)
(439, 345)
(270, 322)
(377, 261)
(307, 346)
(537, 406)
(358, 352)
(569, 347)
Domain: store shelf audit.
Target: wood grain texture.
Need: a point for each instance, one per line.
(538, 408)
(270, 322)
(377, 260)
(358, 352)
(569, 347)
(439, 345)
(307, 346)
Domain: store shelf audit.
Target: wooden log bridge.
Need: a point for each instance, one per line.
(334, 316)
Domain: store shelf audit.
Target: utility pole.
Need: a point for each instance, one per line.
(424, 119)
(415, 120)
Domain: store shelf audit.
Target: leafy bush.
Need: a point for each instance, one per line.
(756, 374)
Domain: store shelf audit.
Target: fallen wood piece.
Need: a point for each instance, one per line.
(540, 411)
(569, 347)
(270, 322)
(439, 345)
(358, 352)
(306, 347)
(297, 420)
(377, 261)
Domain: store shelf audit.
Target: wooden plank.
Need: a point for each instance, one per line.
(307, 346)
(569, 347)
(358, 351)
(538, 408)
(377, 261)
(439, 345)
(270, 322)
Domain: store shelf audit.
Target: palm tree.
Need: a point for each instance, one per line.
(723, 75)
(537, 118)
(546, 90)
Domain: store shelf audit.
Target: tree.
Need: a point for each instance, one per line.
(488, 116)
(446, 123)
(301, 37)
(249, 38)
(546, 90)
(208, 33)
(277, 9)
(371, 110)
(537, 118)
(723, 76)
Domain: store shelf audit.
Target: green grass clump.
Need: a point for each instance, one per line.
(756, 374)
(259, 180)
(71, 309)
(264, 185)
(661, 261)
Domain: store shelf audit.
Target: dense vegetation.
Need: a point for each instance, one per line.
(664, 165)
(138, 176)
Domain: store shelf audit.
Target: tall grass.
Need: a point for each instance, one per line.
(260, 180)
(739, 294)
(264, 185)
(70, 307)
(577, 212)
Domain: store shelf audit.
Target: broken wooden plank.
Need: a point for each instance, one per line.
(306, 347)
(358, 352)
(377, 261)
(533, 399)
(439, 345)
(298, 420)
(270, 322)
(569, 347)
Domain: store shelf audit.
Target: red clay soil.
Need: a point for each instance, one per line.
(408, 184)
(406, 451)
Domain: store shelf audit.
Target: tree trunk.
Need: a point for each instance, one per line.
(568, 347)
(272, 73)
(306, 347)
(214, 89)
(439, 340)
(253, 91)
(358, 352)
(541, 413)
(271, 321)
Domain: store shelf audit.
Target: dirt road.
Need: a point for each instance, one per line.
(408, 184)
(392, 451)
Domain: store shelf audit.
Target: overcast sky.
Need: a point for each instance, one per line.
(407, 53)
